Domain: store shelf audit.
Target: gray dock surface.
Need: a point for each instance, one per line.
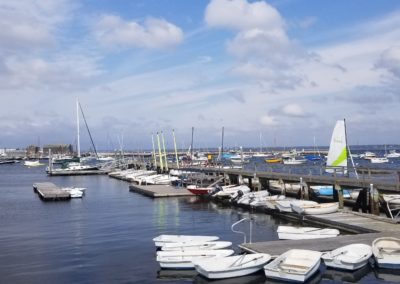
(48, 191)
(366, 226)
(160, 190)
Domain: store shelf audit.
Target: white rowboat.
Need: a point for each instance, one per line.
(161, 240)
(350, 257)
(304, 233)
(285, 205)
(315, 209)
(196, 246)
(232, 266)
(294, 265)
(387, 252)
(183, 259)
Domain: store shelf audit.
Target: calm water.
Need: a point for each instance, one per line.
(106, 237)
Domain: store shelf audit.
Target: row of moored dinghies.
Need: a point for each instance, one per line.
(214, 259)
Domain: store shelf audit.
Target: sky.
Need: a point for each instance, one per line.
(285, 69)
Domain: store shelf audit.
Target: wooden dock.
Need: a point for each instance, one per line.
(366, 227)
(156, 191)
(48, 191)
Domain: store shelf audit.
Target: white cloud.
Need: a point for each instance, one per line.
(241, 15)
(113, 31)
(293, 110)
(390, 60)
(268, 120)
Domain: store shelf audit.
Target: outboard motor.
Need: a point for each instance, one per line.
(217, 188)
(236, 196)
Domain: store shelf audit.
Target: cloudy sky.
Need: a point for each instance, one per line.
(285, 68)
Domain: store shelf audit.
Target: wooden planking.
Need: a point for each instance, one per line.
(276, 248)
(48, 191)
(159, 190)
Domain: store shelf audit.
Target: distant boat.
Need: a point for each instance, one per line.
(368, 155)
(294, 161)
(273, 160)
(32, 163)
(379, 160)
(392, 154)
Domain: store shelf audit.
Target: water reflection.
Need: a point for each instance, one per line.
(346, 276)
(389, 275)
(249, 279)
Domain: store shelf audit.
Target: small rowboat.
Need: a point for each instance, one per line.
(196, 246)
(161, 240)
(184, 259)
(315, 209)
(232, 266)
(270, 161)
(304, 233)
(350, 257)
(294, 265)
(387, 252)
(285, 205)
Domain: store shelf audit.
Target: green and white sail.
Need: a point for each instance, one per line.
(337, 155)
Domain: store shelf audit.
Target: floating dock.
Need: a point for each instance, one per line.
(48, 191)
(156, 191)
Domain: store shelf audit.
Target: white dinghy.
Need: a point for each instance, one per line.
(315, 209)
(161, 240)
(304, 233)
(196, 246)
(232, 266)
(184, 259)
(294, 265)
(286, 205)
(350, 257)
(267, 201)
(387, 252)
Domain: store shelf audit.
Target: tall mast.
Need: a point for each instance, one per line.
(165, 153)
(78, 145)
(176, 152)
(348, 147)
(154, 151)
(159, 153)
(191, 148)
(222, 143)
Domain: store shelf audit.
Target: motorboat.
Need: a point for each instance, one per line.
(294, 161)
(294, 265)
(161, 240)
(185, 259)
(379, 160)
(231, 266)
(350, 257)
(315, 209)
(304, 233)
(231, 191)
(32, 163)
(367, 155)
(196, 245)
(392, 154)
(327, 190)
(386, 251)
(199, 190)
(286, 205)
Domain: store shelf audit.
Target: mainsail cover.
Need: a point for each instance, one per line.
(337, 155)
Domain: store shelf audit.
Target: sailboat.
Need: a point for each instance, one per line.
(338, 150)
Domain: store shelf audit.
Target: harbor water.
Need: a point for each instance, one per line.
(106, 237)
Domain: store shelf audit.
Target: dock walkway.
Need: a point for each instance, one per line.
(366, 226)
(159, 190)
(48, 191)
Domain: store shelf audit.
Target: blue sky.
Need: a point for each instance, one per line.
(286, 68)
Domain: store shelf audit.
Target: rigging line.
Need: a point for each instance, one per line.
(90, 135)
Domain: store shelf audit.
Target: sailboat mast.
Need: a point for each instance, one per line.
(348, 147)
(222, 143)
(78, 145)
